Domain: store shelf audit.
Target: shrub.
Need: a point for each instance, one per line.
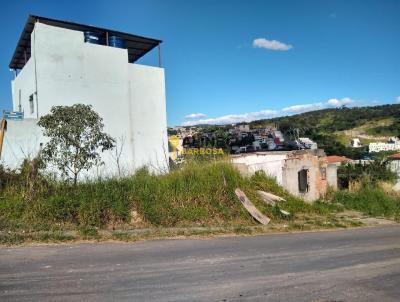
(370, 173)
(370, 200)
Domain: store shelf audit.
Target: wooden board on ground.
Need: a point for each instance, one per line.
(266, 198)
(249, 206)
(269, 198)
(283, 212)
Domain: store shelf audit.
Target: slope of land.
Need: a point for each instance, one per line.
(333, 129)
(339, 119)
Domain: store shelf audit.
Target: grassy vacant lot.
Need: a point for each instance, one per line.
(198, 194)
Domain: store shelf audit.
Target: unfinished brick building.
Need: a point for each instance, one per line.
(304, 173)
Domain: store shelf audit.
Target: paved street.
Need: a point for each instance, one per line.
(354, 265)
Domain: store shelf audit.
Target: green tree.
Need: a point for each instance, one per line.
(373, 172)
(76, 139)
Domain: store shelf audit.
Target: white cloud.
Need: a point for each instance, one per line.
(340, 102)
(234, 118)
(195, 116)
(199, 118)
(271, 44)
(303, 108)
(398, 99)
(316, 106)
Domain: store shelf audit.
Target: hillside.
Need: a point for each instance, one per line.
(332, 129)
(338, 119)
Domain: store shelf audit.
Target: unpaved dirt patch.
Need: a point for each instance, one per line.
(364, 219)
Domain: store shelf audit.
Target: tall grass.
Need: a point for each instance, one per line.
(371, 200)
(195, 194)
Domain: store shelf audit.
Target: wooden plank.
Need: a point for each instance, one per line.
(266, 198)
(249, 206)
(283, 212)
(269, 197)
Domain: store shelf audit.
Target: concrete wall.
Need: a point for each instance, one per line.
(129, 97)
(149, 124)
(304, 160)
(22, 140)
(22, 88)
(331, 176)
(270, 163)
(394, 166)
(285, 166)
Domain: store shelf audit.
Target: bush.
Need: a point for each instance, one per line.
(370, 173)
(8, 177)
(371, 201)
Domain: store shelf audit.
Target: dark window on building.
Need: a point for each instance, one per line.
(303, 180)
(31, 104)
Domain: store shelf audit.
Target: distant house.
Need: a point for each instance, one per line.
(257, 145)
(278, 137)
(304, 173)
(356, 143)
(308, 143)
(394, 166)
(243, 128)
(337, 160)
(392, 145)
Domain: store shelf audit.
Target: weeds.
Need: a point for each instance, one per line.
(18, 238)
(196, 194)
(370, 200)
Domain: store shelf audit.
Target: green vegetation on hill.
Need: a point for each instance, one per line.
(332, 128)
(332, 120)
(388, 130)
(325, 126)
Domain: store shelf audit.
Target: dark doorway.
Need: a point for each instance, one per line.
(303, 180)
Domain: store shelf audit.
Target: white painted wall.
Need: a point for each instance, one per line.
(394, 166)
(378, 147)
(129, 97)
(22, 140)
(22, 87)
(271, 164)
(331, 175)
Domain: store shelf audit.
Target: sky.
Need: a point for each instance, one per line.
(233, 61)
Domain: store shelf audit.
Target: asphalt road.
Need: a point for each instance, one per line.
(354, 265)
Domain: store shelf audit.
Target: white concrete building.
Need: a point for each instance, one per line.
(278, 134)
(308, 143)
(59, 64)
(355, 143)
(243, 128)
(390, 146)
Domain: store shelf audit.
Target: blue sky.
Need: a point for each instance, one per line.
(229, 61)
